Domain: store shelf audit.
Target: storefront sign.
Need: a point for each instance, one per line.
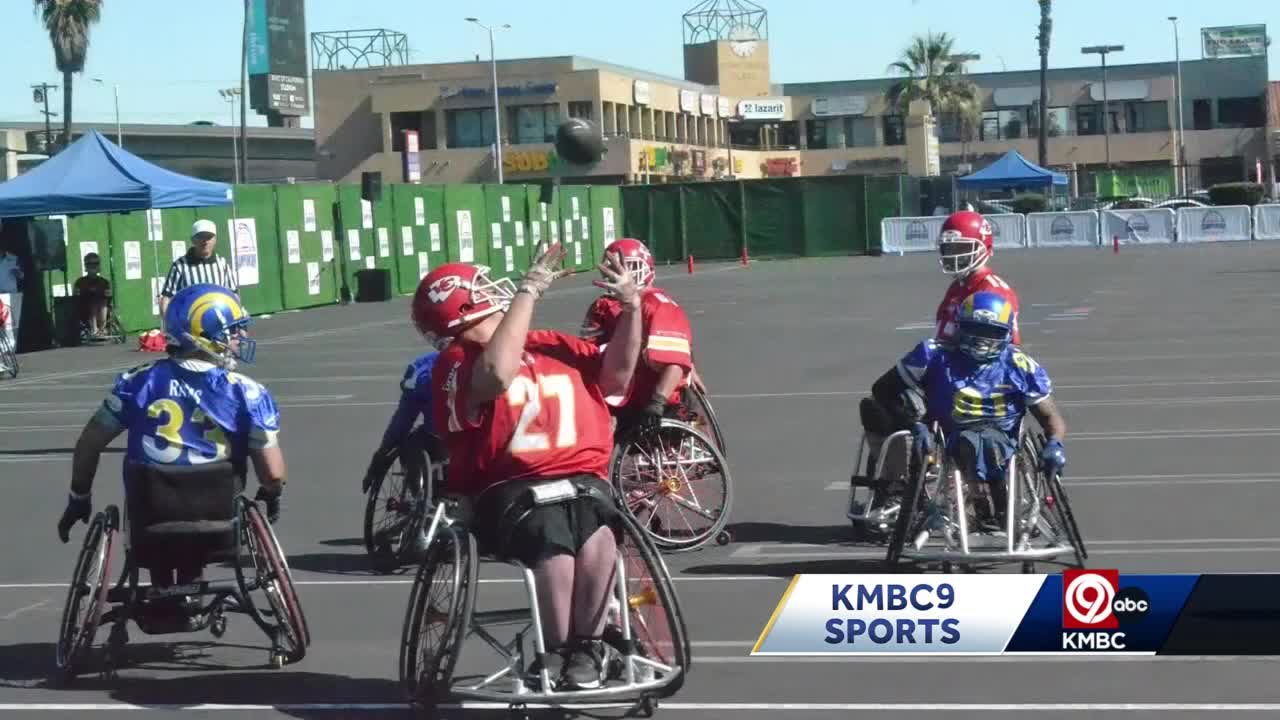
(843, 105)
(709, 105)
(529, 161)
(722, 107)
(688, 101)
(1234, 41)
(765, 109)
(781, 167)
(642, 92)
(525, 90)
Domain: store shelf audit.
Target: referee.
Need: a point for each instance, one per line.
(199, 265)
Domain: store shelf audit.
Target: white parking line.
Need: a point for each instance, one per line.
(1192, 479)
(409, 581)
(700, 707)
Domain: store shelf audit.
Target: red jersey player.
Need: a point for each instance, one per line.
(666, 364)
(964, 248)
(523, 411)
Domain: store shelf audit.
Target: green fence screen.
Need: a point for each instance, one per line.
(312, 272)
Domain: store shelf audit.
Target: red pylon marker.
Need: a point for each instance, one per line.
(1115, 244)
(744, 256)
(690, 264)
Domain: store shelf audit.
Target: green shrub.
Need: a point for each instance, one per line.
(1239, 193)
(1029, 203)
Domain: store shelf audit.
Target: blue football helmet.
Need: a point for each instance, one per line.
(210, 319)
(984, 326)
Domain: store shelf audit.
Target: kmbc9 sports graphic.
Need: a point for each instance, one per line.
(1078, 611)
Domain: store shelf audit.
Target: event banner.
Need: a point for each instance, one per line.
(1080, 611)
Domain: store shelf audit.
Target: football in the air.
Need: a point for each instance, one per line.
(579, 142)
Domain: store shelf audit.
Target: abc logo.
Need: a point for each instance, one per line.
(1093, 600)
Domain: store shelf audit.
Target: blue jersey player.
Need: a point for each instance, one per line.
(190, 408)
(978, 390)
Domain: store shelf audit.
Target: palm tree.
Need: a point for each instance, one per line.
(1046, 28)
(68, 24)
(932, 73)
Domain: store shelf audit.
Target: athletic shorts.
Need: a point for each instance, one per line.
(547, 530)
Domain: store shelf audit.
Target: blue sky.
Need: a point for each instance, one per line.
(169, 57)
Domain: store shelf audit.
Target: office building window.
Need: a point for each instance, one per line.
(1005, 124)
(1201, 115)
(860, 131)
(470, 128)
(822, 134)
(1147, 116)
(1244, 112)
(401, 121)
(580, 110)
(895, 131)
(1089, 119)
(534, 123)
(1058, 122)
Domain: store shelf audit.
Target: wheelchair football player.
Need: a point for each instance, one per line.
(997, 494)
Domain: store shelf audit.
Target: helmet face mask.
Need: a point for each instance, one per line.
(984, 327)
(208, 320)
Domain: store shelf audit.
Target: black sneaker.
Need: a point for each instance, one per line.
(585, 665)
(555, 668)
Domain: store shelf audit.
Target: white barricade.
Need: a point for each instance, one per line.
(910, 234)
(1148, 225)
(1063, 229)
(1226, 223)
(1010, 229)
(1266, 222)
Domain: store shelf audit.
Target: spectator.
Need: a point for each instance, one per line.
(200, 265)
(10, 295)
(93, 296)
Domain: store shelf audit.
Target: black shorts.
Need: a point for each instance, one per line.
(547, 530)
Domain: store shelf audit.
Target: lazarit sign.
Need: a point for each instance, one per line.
(763, 109)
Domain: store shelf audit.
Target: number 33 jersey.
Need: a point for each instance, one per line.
(190, 412)
(551, 422)
(960, 393)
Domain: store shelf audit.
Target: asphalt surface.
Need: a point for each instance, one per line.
(1164, 360)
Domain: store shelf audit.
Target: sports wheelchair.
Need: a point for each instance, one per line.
(875, 496)
(936, 522)
(180, 517)
(647, 646)
(113, 332)
(8, 358)
(674, 482)
(695, 409)
(401, 501)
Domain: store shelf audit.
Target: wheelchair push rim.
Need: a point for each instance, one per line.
(706, 422)
(8, 356)
(274, 579)
(426, 668)
(670, 481)
(76, 634)
(389, 541)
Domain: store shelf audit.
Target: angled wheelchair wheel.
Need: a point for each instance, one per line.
(291, 635)
(675, 483)
(702, 416)
(87, 597)
(115, 331)
(393, 513)
(654, 617)
(8, 357)
(439, 612)
(1057, 513)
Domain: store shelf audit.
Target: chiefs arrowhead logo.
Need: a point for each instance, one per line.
(441, 289)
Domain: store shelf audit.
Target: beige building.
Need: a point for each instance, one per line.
(727, 119)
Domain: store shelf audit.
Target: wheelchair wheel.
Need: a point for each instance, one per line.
(675, 483)
(7, 356)
(702, 416)
(911, 521)
(87, 596)
(115, 330)
(656, 620)
(292, 635)
(439, 612)
(393, 514)
(1060, 518)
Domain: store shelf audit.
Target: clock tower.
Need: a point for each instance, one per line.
(726, 44)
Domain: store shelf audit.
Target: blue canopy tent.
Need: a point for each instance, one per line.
(1011, 171)
(93, 175)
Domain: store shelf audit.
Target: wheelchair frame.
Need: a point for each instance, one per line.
(661, 461)
(878, 516)
(1031, 500)
(701, 407)
(7, 354)
(625, 653)
(114, 331)
(413, 457)
(285, 624)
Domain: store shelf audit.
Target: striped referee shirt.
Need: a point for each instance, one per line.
(192, 270)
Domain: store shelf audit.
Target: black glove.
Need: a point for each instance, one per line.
(271, 501)
(77, 509)
(379, 464)
(652, 414)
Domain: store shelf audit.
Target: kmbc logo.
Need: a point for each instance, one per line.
(1092, 600)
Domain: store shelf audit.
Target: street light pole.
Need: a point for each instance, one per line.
(1181, 150)
(229, 94)
(115, 91)
(1106, 106)
(497, 112)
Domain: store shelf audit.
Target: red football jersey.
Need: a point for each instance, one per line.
(983, 280)
(664, 331)
(551, 422)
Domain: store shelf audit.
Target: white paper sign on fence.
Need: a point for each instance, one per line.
(1147, 225)
(609, 232)
(435, 237)
(326, 245)
(406, 241)
(519, 228)
(384, 242)
(419, 211)
(313, 278)
(910, 234)
(511, 262)
(294, 245)
(309, 215)
(1010, 230)
(1266, 222)
(177, 248)
(353, 244)
(244, 233)
(1225, 223)
(424, 265)
(466, 241)
(506, 209)
(132, 260)
(366, 214)
(1063, 229)
(155, 225)
(495, 232)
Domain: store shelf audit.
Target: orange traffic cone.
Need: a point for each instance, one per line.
(690, 264)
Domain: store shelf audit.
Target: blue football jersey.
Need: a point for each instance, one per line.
(415, 386)
(190, 413)
(960, 393)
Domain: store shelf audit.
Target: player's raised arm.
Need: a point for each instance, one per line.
(623, 352)
(497, 366)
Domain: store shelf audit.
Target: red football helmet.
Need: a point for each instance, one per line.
(454, 296)
(636, 258)
(965, 244)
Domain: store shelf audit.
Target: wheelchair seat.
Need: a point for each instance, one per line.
(177, 513)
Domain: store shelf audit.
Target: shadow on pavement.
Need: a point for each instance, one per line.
(763, 532)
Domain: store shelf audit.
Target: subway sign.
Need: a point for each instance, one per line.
(529, 161)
